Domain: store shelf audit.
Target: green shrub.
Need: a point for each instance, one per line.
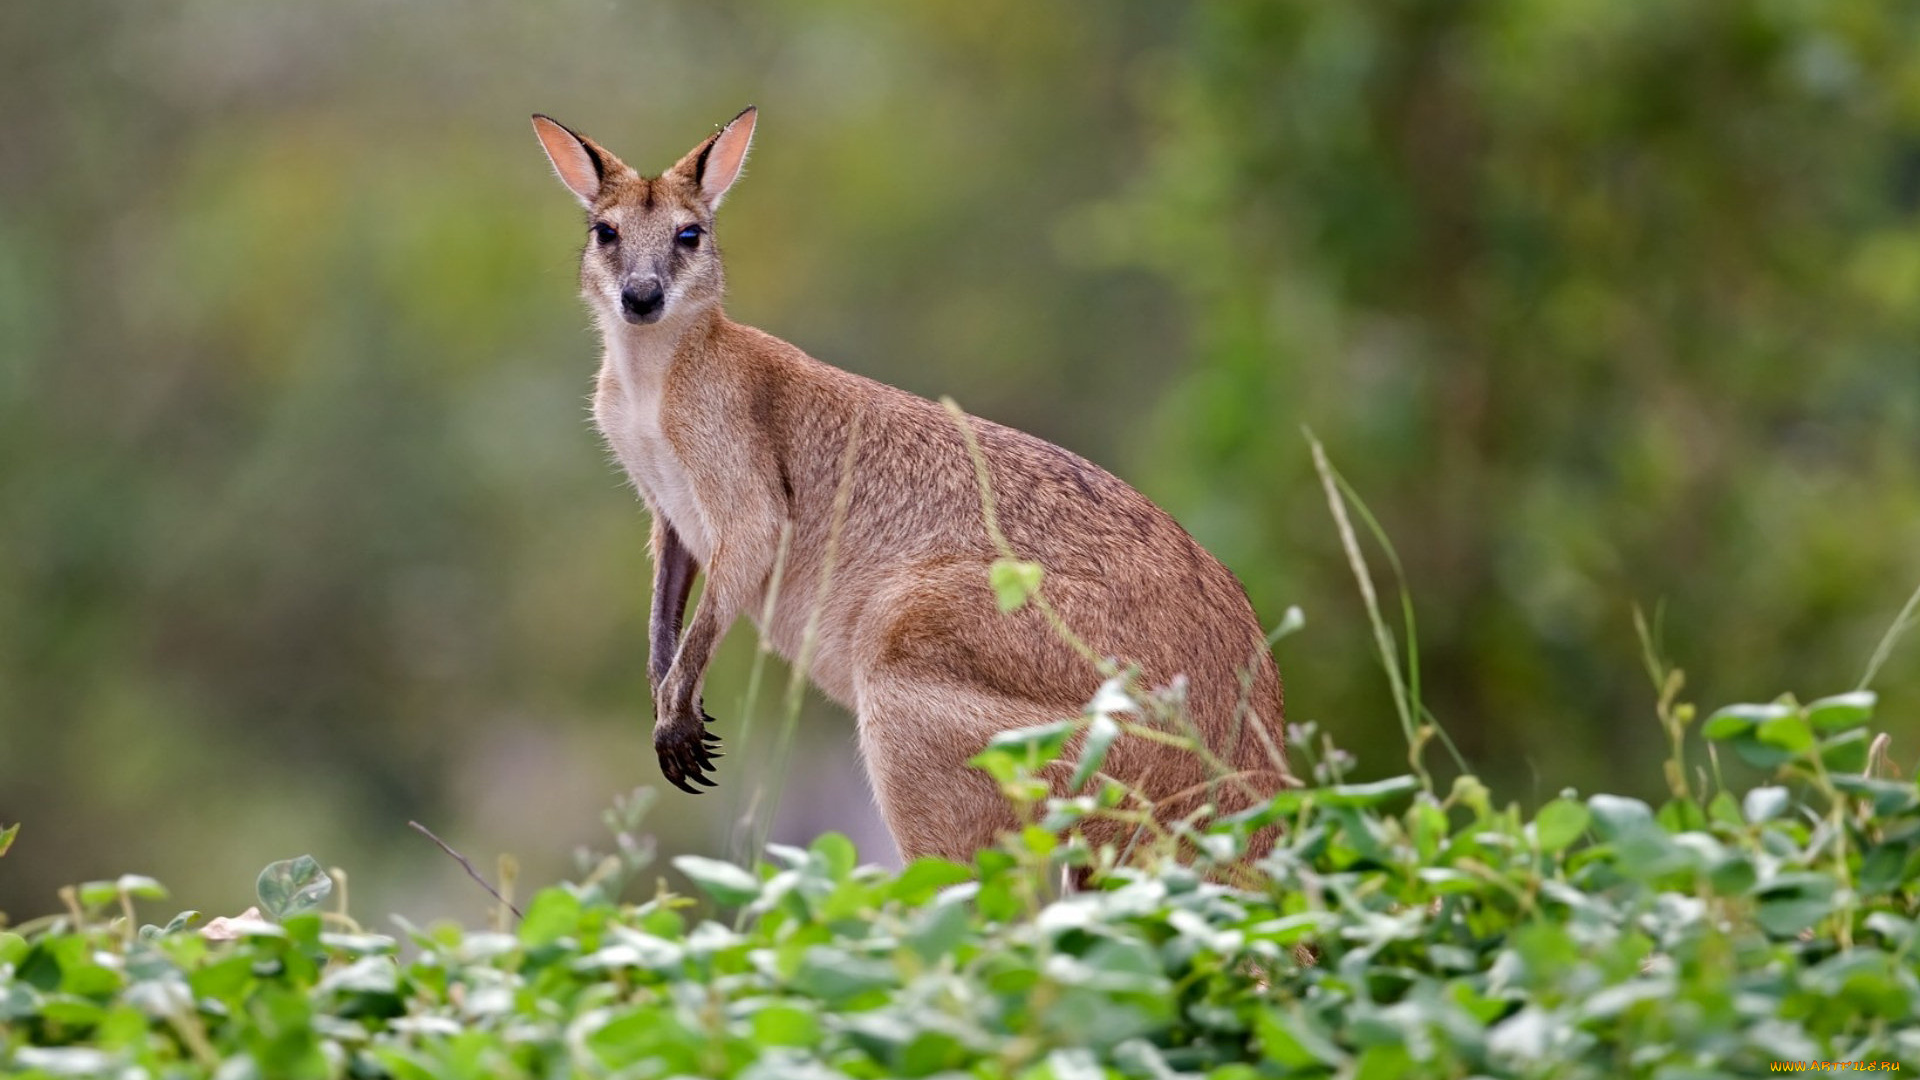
(1394, 932)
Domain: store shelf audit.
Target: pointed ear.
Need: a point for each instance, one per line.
(582, 166)
(715, 164)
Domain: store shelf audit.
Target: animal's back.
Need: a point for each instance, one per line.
(916, 645)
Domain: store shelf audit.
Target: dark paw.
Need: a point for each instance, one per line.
(687, 752)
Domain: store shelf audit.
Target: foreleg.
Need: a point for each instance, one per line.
(687, 749)
(673, 571)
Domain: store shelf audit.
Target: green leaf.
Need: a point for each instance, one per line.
(6, 836)
(1295, 1042)
(181, 921)
(367, 975)
(1560, 823)
(999, 898)
(554, 914)
(725, 882)
(836, 976)
(1847, 752)
(1896, 930)
(1292, 929)
(358, 944)
(1362, 795)
(1615, 816)
(1764, 804)
(1790, 903)
(1014, 582)
(939, 931)
(1882, 869)
(1723, 810)
(292, 886)
(1427, 825)
(1470, 792)
(80, 975)
(52, 1061)
(1038, 840)
(1384, 1062)
(925, 876)
(931, 1052)
(1789, 733)
(1030, 748)
(1445, 881)
(1681, 815)
(1733, 875)
(782, 1024)
(1101, 732)
(836, 852)
(1738, 719)
(1072, 1063)
(1758, 754)
(1842, 710)
(1788, 916)
(141, 886)
(303, 929)
(1889, 797)
(648, 1034)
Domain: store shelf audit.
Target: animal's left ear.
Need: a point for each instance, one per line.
(715, 164)
(582, 166)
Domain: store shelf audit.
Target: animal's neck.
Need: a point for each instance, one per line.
(641, 356)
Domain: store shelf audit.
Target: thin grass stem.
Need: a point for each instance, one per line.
(1909, 617)
(803, 660)
(1382, 635)
(747, 805)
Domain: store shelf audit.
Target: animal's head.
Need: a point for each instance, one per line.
(650, 253)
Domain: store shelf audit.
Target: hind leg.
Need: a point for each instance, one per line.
(916, 736)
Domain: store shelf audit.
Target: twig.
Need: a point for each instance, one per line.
(471, 872)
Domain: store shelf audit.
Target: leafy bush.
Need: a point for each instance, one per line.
(1394, 932)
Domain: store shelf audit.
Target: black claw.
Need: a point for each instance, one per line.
(686, 760)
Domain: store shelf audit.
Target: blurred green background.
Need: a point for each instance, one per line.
(304, 531)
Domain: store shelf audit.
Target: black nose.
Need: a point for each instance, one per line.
(643, 301)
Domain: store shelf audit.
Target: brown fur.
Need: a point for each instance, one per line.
(730, 434)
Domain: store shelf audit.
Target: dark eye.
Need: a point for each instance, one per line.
(688, 237)
(604, 233)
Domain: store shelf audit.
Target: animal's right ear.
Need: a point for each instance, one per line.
(581, 165)
(715, 164)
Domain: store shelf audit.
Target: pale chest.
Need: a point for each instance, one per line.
(629, 419)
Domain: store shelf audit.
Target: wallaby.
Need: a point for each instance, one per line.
(735, 438)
